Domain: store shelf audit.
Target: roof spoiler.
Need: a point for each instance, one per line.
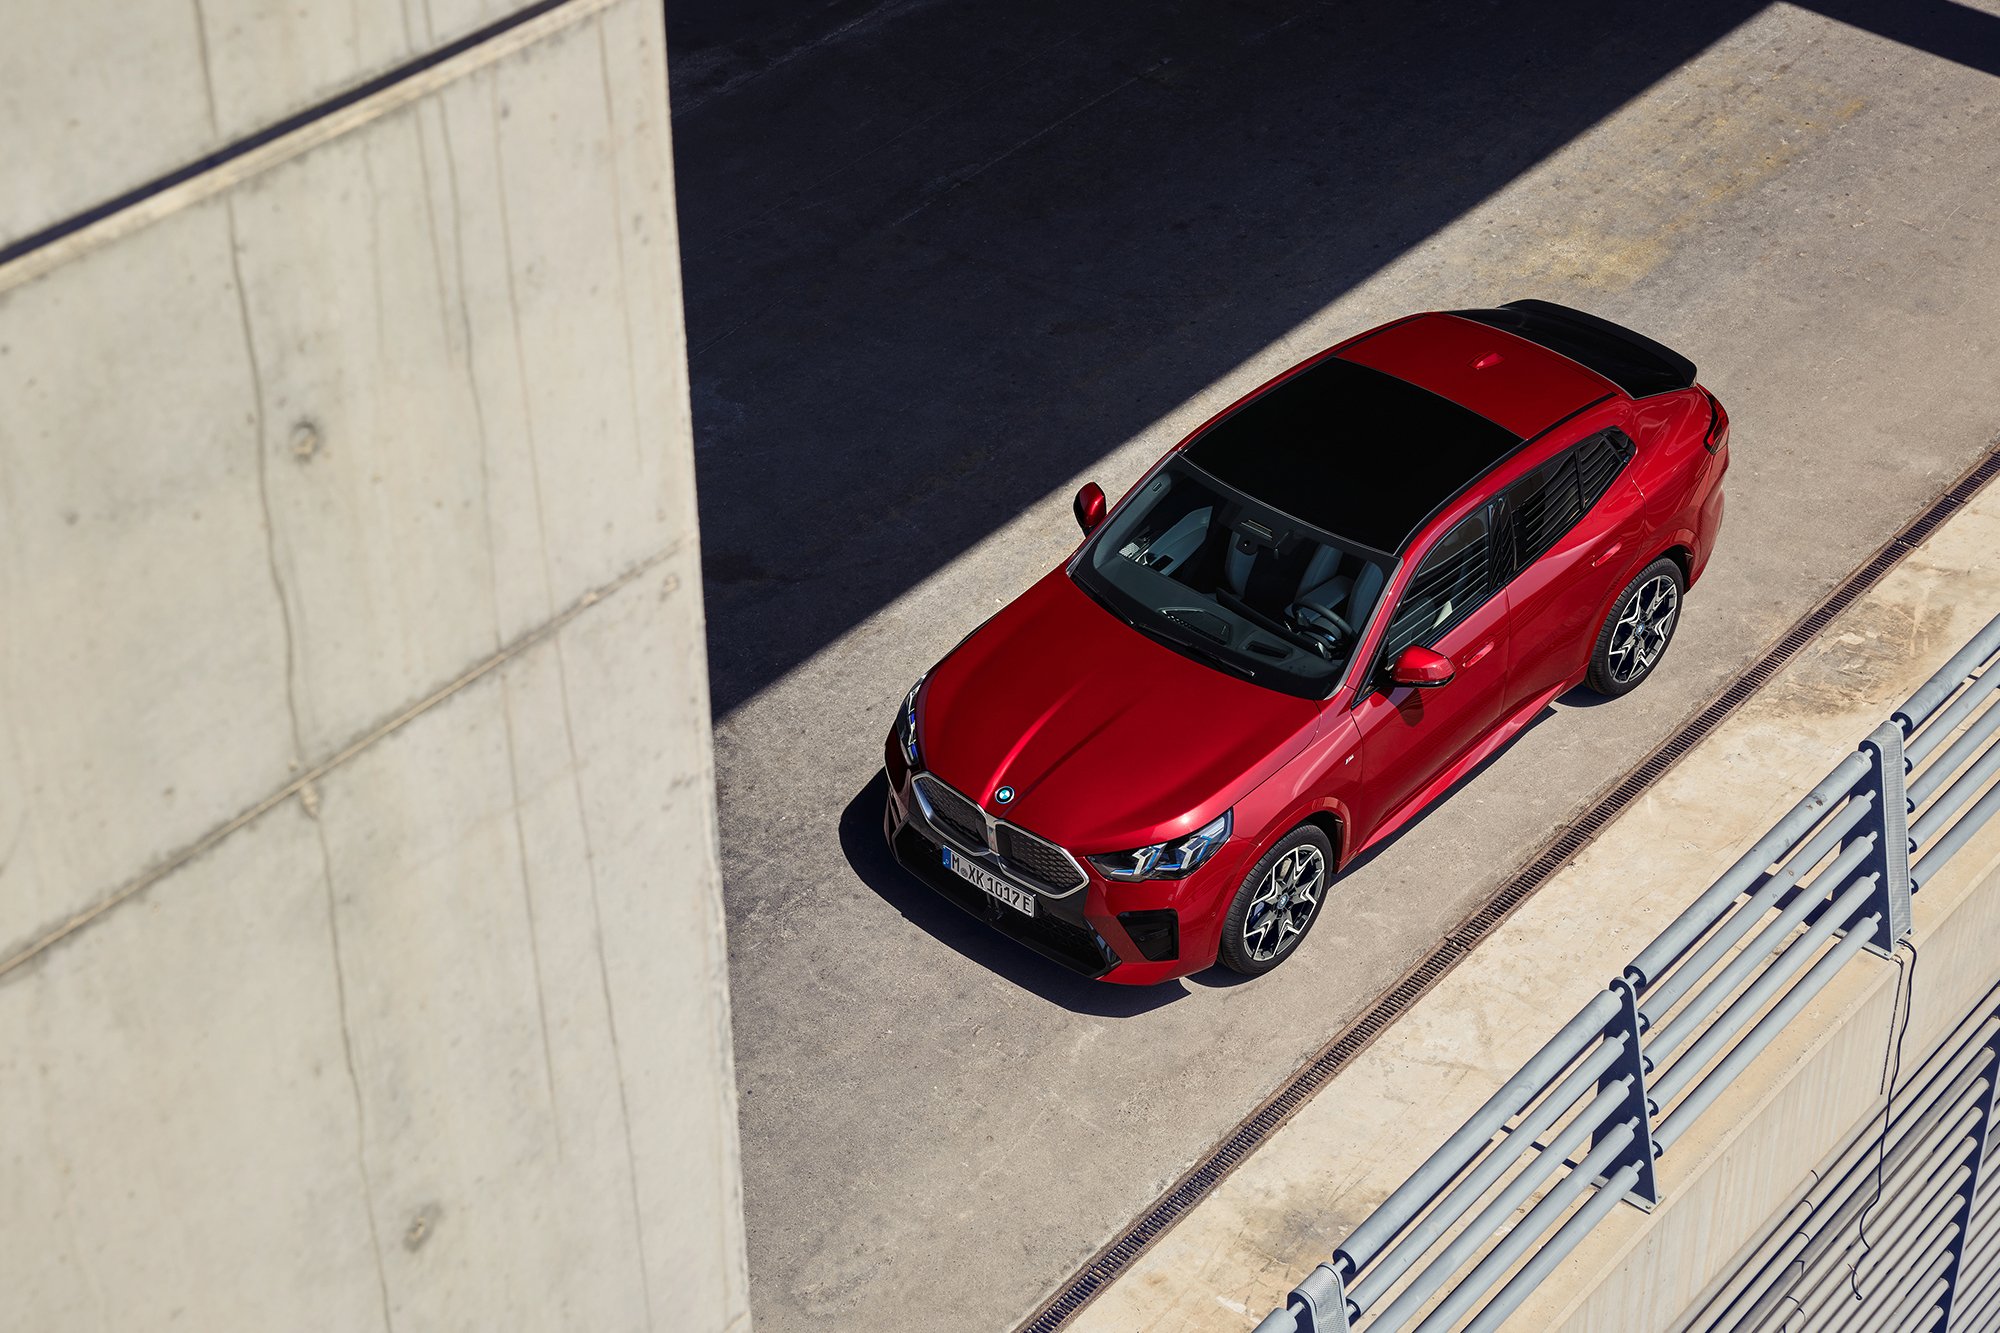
(1632, 361)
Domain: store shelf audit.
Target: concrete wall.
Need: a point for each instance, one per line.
(360, 945)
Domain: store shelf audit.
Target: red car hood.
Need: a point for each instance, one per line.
(1109, 739)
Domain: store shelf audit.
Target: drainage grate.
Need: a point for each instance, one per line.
(1190, 1189)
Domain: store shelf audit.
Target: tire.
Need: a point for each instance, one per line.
(1253, 949)
(1638, 629)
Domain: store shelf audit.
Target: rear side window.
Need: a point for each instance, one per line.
(1454, 580)
(1549, 501)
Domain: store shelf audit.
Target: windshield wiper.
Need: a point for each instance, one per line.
(1193, 648)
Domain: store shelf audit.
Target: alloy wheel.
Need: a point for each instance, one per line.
(1641, 634)
(1285, 902)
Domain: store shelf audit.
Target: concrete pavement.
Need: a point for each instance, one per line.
(943, 264)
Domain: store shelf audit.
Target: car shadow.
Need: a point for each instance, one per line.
(1220, 978)
(1368, 857)
(868, 855)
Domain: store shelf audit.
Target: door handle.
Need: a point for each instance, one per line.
(1606, 554)
(1472, 658)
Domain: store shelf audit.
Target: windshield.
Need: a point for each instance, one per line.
(1232, 582)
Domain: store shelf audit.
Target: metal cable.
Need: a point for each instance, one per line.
(1892, 1063)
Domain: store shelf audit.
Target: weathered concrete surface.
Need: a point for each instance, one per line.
(114, 95)
(1285, 1209)
(944, 262)
(354, 652)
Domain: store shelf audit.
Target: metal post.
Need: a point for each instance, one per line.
(1631, 1068)
(1889, 821)
(1316, 1305)
(1981, 1137)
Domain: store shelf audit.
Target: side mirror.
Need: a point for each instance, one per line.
(1089, 507)
(1421, 669)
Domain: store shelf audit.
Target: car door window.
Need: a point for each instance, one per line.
(1549, 501)
(1453, 581)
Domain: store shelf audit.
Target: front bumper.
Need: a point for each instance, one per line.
(1057, 931)
(1081, 930)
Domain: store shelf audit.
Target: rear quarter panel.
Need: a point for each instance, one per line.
(1678, 475)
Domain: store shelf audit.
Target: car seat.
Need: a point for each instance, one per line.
(1349, 598)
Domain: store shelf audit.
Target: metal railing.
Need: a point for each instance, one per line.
(1623, 1081)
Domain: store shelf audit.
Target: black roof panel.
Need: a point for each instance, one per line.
(1632, 361)
(1351, 450)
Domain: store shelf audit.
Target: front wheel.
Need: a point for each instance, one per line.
(1636, 633)
(1277, 902)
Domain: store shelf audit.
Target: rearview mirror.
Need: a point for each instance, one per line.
(1421, 669)
(1089, 507)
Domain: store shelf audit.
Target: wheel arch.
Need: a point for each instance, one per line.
(1682, 554)
(1323, 813)
(1330, 823)
(1676, 549)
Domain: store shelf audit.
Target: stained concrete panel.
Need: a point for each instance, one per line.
(434, 407)
(428, 1043)
(142, 662)
(107, 96)
(181, 1136)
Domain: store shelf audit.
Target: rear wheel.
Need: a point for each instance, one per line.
(1636, 633)
(1277, 902)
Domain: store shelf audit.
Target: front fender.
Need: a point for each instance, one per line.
(1319, 780)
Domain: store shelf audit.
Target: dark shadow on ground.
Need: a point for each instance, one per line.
(1943, 28)
(1471, 775)
(862, 843)
(940, 257)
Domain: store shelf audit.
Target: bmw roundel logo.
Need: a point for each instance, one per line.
(1004, 795)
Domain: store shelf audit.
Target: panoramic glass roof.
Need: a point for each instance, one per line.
(1356, 452)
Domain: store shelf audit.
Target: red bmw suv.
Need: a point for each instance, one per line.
(1305, 622)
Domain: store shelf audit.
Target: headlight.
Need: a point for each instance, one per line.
(906, 722)
(1167, 860)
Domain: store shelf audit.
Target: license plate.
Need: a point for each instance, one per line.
(980, 877)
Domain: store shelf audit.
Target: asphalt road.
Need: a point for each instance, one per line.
(945, 260)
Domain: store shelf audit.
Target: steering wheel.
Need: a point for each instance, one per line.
(1331, 639)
